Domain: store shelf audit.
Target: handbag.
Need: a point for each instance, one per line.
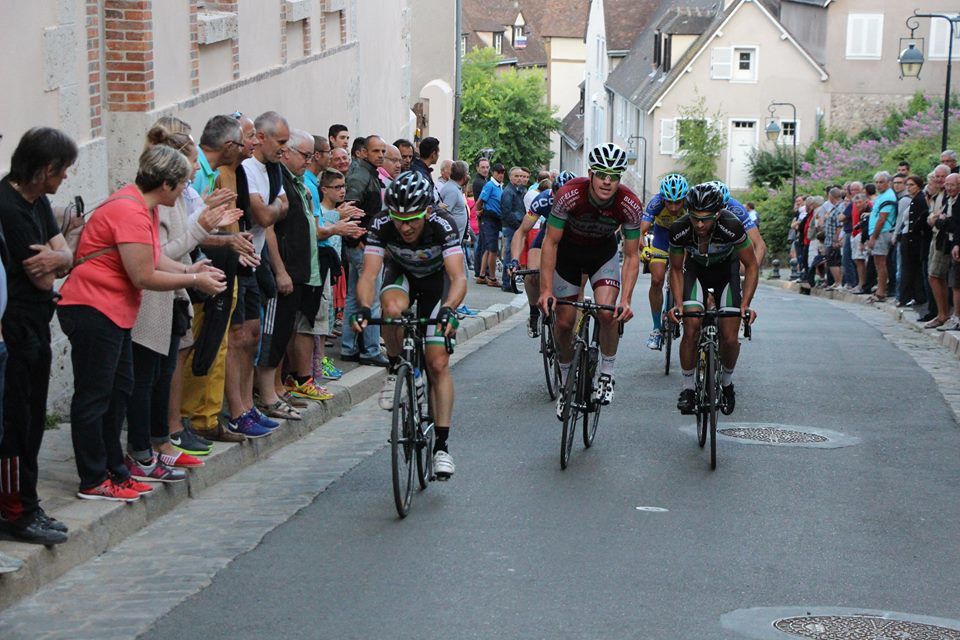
(181, 317)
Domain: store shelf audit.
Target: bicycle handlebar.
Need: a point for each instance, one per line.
(721, 313)
(589, 306)
(527, 272)
(407, 321)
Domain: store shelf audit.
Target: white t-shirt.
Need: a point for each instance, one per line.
(259, 183)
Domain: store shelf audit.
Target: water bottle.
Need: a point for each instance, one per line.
(418, 381)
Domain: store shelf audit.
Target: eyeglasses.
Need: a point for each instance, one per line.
(614, 176)
(334, 186)
(306, 156)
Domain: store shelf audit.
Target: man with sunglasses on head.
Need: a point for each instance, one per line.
(664, 208)
(419, 249)
(581, 239)
(707, 248)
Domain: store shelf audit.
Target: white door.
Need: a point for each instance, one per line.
(743, 140)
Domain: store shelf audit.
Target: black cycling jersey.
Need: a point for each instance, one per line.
(726, 237)
(439, 239)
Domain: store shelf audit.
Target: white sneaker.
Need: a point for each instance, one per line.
(604, 390)
(653, 342)
(443, 465)
(953, 324)
(560, 405)
(386, 393)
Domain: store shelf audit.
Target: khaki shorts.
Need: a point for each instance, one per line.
(857, 251)
(939, 263)
(321, 324)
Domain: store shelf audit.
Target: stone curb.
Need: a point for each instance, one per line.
(907, 317)
(95, 526)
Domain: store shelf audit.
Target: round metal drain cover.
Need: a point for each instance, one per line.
(773, 435)
(862, 628)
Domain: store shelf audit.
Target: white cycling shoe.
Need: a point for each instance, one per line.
(654, 341)
(603, 393)
(443, 465)
(385, 399)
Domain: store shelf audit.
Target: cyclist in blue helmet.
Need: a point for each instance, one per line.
(663, 210)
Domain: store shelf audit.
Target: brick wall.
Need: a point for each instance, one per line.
(128, 38)
(93, 68)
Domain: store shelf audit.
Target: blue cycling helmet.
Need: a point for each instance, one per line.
(562, 179)
(722, 186)
(674, 187)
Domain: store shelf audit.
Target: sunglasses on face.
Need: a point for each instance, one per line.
(614, 176)
(407, 219)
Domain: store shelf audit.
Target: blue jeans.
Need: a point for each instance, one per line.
(850, 277)
(507, 239)
(371, 335)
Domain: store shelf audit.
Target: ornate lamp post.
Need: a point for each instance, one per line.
(773, 134)
(911, 59)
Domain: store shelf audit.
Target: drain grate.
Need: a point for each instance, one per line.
(773, 435)
(862, 627)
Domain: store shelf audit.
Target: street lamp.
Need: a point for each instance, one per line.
(911, 61)
(773, 133)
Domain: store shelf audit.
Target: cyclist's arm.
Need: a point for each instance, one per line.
(645, 226)
(759, 246)
(366, 285)
(453, 264)
(677, 257)
(751, 269)
(631, 267)
(516, 244)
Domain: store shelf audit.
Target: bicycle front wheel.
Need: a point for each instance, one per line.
(551, 369)
(402, 440)
(573, 405)
(701, 395)
(591, 420)
(712, 400)
(667, 333)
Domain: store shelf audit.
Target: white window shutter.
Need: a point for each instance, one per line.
(668, 136)
(721, 63)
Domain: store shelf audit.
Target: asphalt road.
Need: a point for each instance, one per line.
(513, 547)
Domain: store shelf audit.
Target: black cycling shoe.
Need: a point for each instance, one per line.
(687, 402)
(729, 399)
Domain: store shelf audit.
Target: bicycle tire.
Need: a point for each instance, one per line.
(572, 407)
(591, 420)
(712, 400)
(551, 370)
(424, 442)
(666, 332)
(402, 434)
(701, 403)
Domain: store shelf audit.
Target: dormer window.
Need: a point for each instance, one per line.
(519, 37)
(657, 52)
(498, 42)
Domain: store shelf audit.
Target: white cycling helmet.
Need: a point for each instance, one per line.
(607, 157)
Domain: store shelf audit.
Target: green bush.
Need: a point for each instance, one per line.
(771, 168)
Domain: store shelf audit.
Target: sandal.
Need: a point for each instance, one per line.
(933, 324)
(281, 409)
(876, 298)
(492, 282)
(293, 401)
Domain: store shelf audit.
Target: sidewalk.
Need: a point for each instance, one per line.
(97, 526)
(904, 315)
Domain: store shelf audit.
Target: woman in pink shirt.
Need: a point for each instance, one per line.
(118, 256)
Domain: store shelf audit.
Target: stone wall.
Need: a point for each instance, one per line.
(853, 112)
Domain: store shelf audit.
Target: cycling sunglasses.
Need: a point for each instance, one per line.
(410, 218)
(707, 218)
(613, 175)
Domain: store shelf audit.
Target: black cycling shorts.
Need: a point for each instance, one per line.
(428, 292)
(723, 278)
(599, 263)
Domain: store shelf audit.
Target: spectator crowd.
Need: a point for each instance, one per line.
(897, 237)
(200, 299)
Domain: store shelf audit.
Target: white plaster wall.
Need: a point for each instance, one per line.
(259, 35)
(171, 58)
(801, 86)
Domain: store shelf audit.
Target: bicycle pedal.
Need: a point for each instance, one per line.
(441, 477)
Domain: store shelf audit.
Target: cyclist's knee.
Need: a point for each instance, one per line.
(393, 308)
(438, 364)
(606, 319)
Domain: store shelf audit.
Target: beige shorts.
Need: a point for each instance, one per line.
(321, 324)
(857, 251)
(938, 266)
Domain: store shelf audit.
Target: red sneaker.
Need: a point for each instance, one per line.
(107, 490)
(180, 459)
(135, 485)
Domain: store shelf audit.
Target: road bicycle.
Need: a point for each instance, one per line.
(412, 431)
(708, 391)
(579, 403)
(548, 345)
(669, 330)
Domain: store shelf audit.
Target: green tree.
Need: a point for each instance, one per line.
(701, 140)
(505, 110)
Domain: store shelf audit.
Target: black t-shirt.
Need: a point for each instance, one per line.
(478, 182)
(24, 224)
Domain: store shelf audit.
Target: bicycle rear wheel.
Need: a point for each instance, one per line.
(713, 400)
(573, 406)
(701, 396)
(402, 440)
(666, 332)
(424, 446)
(551, 369)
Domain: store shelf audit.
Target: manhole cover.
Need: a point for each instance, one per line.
(773, 435)
(862, 628)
